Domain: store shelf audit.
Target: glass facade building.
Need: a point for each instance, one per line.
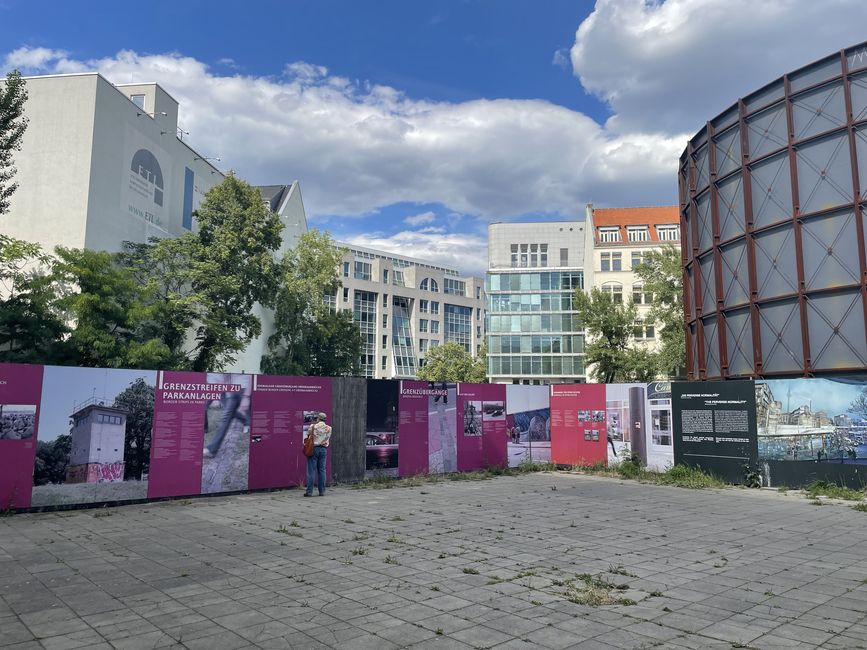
(772, 196)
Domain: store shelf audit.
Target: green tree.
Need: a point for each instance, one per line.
(310, 337)
(31, 330)
(662, 277)
(608, 326)
(137, 400)
(102, 299)
(168, 307)
(451, 362)
(232, 268)
(52, 457)
(13, 123)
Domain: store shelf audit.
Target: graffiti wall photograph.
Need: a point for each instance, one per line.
(20, 395)
(381, 434)
(94, 435)
(442, 428)
(528, 424)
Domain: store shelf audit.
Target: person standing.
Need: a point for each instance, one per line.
(316, 462)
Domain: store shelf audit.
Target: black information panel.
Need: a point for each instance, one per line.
(715, 426)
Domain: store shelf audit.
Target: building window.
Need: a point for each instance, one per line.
(434, 307)
(457, 325)
(609, 234)
(668, 232)
(422, 325)
(615, 290)
(401, 338)
(138, 100)
(514, 256)
(398, 279)
(478, 293)
(610, 262)
(637, 294)
(564, 257)
(384, 321)
(362, 270)
(524, 257)
(429, 284)
(384, 341)
(385, 301)
(637, 233)
(422, 306)
(384, 362)
(534, 255)
(422, 345)
(345, 294)
(434, 327)
(454, 287)
(385, 276)
(643, 331)
(434, 344)
(346, 269)
(478, 313)
(543, 255)
(637, 259)
(364, 314)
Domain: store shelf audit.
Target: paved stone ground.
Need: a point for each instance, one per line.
(446, 565)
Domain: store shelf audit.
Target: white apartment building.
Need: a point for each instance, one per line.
(405, 307)
(101, 164)
(621, 238)
(533, 271)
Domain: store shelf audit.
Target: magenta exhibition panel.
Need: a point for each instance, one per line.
(772, 199)
(75, 436)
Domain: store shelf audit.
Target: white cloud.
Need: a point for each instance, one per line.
(561, 58)
(357, 146)
(671, 66)
(32, 59)
(418, 219)
(467, 252)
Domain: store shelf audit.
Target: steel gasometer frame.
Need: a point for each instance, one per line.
(772, 200)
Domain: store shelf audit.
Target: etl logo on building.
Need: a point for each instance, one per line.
(147, 176)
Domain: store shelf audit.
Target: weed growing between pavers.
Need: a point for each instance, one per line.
(676, 476)
(860, 507)
(833, 491)
(595, 591)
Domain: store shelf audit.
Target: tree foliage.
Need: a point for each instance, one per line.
(13, 123)
(310, 337)
(232, 268)
(662, 276)
(137, 400)
(609, 328)
(52, 458)
(31, 330)
(451, 362)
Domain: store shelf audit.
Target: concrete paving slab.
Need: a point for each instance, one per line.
(502, 563)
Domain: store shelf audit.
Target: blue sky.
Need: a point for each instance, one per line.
(412, 125)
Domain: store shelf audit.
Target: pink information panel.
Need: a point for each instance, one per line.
(200, 442)
(481, 425)
(578, 428)
(413, 441)
(20, 394)
(283, 408)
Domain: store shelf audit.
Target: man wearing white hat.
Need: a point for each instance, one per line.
(316, 462)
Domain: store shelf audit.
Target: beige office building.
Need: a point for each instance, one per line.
(621, 238)
(405, 307)
(101, 164)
